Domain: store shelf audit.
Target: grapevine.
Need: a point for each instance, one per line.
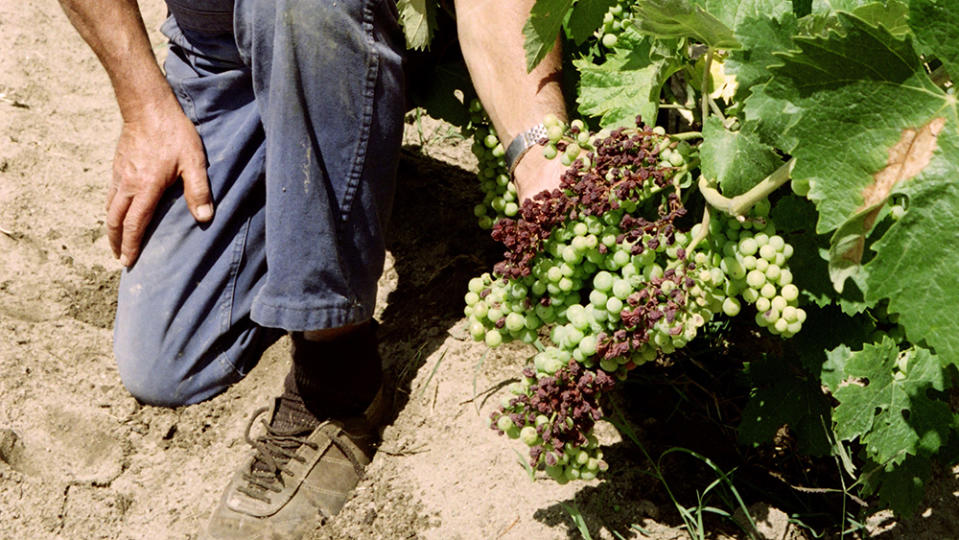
(846, 271)
(605, 265)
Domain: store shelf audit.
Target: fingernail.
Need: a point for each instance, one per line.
(204, 212)
(124, 260)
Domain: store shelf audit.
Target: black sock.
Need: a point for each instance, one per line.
(329, 379)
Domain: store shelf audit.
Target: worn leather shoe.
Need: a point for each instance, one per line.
(296, 479)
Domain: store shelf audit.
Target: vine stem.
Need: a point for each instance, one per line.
(686, 135)
(740, 204)
(703, 231)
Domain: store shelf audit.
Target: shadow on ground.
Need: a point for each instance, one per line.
(436, 251)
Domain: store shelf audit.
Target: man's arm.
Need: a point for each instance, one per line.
(158, 142)
(491, 37)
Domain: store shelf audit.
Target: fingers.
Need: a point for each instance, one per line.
(196, 191)
(127, 220)
(135, 222)
(116, 211)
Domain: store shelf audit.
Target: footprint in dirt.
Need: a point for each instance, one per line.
(67, 445)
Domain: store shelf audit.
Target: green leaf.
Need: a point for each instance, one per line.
(734, 14)
(785, 395)
(829, 6)
(542, 28)
(936, 25)
(834, 368)
(418, 19)
(586, 18)
(802, 7)
(915, 264)
(893, 15)
(888, 409)
(865, 121)
(902, 486)
(627, 84)
(760, 38)
(773, 116)
(682, 19)
(738, 160)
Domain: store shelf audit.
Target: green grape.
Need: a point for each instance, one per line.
(755, 279)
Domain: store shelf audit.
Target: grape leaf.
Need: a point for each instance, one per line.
(785, 395)
(829, 6)
(891, 413)
(586, 18)
(627, 84)
(914, 265)
(760, 37)
(936, 25)
(680, 18)
(738, 160)
(833, 369)
(772, 116)
(901, 485)
(418, 20)
(734, 14)
(893, 15)
(541, 29)
(865, 129)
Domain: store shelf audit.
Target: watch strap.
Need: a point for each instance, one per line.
(522, 143)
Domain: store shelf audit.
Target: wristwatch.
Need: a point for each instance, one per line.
(521, 144)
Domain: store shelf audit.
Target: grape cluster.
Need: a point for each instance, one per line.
(617, 18)
(614, 285)
(554, 416)
(499, 191)
(603, 273)
(753, 260)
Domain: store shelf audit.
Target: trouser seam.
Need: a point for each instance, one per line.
(369, 94)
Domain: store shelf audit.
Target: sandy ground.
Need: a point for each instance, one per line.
(80, 458)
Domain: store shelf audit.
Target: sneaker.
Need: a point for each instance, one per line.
(296, 479)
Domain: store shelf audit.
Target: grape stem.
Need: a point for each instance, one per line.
(703, 231)
(740, 204)
(686, 135)
(715, 108)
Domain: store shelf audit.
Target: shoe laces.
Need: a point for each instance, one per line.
(274, 450)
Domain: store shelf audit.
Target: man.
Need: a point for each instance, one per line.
(251, 185)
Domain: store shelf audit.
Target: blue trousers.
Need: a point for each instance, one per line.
(299, 105)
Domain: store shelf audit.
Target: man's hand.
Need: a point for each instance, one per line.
(158, 143)
(155, 148)
(534, 173)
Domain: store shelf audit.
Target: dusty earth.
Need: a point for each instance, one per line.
(80, 458)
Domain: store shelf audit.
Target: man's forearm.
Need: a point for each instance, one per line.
(491, 37)
(115, 32)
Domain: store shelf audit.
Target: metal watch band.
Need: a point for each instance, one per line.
(522, 143)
